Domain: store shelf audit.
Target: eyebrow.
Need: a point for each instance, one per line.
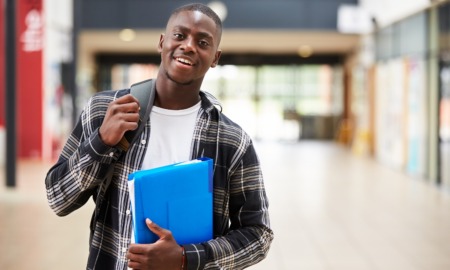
(199, 34)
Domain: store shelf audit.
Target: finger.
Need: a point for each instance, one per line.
(160, 232)
(134, 265)
(137, 250)
(130, 117)
(126, 126)
(133, 256)
(126, 99)
(134, 250)
(138, 256)
(131, 107)
(133, 260)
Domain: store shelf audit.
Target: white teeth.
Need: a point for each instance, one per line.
(185, 61)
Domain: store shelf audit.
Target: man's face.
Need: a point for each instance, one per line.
(189, 47)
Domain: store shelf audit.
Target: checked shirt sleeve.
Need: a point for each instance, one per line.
(83, 163)
(248, 238)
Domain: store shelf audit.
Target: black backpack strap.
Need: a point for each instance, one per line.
(144, 92)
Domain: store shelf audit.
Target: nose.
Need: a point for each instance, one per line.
(188, 44)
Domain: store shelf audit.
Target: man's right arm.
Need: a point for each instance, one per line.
(83, 163)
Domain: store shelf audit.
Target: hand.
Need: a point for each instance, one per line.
(163, 254)
(122, 115)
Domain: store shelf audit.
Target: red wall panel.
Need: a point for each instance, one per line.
(29, 78)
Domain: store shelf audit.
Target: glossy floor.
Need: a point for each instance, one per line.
(329, 210)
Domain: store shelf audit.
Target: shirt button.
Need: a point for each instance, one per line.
(111, 154)
(143, 142)
(124, 249)
(128, 212)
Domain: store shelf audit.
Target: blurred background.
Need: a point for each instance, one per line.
(348, 103)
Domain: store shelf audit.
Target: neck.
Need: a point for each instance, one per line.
(173, 96)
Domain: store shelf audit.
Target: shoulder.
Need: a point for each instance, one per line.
(101, 100)
(229, 132)
(233, 131)
(98, 104)
(107, 96)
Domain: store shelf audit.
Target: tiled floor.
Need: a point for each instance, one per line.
(329, 210)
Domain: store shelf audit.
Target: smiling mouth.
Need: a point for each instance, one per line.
(184, 61)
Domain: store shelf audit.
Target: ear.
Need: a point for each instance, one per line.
(160, 43)
(216, 58)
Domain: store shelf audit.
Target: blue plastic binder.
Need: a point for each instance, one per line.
(177, 197)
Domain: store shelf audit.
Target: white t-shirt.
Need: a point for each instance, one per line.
(171, 134)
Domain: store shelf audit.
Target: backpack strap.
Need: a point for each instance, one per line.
(144, 92)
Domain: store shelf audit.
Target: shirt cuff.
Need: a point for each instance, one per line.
(195, 256)
(98, 150)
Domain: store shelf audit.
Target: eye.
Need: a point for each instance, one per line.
(203, 43)
(178, 36)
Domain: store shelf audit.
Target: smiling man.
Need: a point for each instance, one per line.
(189, 48)
(184, 124)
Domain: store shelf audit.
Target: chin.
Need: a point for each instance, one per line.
(178, 81)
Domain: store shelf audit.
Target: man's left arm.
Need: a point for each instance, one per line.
(250, 236)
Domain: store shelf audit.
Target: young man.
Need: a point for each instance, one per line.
(184, 124)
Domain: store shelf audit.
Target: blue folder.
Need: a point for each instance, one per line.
(177, 197)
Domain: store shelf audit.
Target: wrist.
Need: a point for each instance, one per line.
(103, 138)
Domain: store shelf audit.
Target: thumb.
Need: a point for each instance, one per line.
(160, 232)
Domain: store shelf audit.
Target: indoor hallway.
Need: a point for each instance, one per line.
(329, 210)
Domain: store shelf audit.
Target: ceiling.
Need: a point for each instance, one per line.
(233, 41)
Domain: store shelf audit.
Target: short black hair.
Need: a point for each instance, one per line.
(203, 9)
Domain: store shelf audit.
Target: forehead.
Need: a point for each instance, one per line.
(194, 21)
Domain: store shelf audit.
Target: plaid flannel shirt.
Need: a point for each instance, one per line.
(242, 234)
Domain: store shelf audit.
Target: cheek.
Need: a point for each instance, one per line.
(164, 47)
(165, 52)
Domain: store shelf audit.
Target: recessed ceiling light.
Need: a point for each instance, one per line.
(219, 8)
(305, 51)
(127, 35)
